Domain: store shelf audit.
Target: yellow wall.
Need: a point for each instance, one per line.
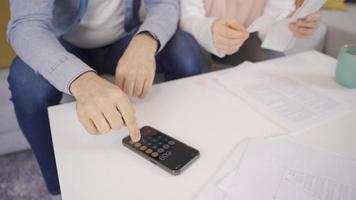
(6, 53)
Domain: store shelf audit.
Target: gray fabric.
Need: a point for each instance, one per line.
(35, 26)
(250, 51)
(21, 179)
(316, 42)
(341, 29)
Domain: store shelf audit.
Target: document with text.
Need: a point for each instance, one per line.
(281, 168)
(290, 103)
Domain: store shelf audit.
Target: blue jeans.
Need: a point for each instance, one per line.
(32, 94)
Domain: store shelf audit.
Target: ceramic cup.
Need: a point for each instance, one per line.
(346, 66)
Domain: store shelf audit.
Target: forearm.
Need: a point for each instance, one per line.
(161, 20)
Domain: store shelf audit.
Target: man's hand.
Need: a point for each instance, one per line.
(228, 36)
(136, 69)
(102, 106)
(306, 27)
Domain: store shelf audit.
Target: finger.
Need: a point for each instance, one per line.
(100, 123)
(89, 126)
(129, 85)
(233, 24)
(232, 34)
(128, 114)
(139, 85)
(114, 117)
(147, 86)
(307, 24)
(119, 80)
(314, 17)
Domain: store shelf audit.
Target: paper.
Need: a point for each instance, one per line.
(273, 12)
(210, 191)
(288, 102)
(280, 168)
(279, 38)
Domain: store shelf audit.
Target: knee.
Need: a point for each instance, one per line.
(188, 53)
(29, 88)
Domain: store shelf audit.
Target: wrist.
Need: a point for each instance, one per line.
(148, 40)
(79, 84)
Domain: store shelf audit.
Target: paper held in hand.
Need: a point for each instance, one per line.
(279, 37)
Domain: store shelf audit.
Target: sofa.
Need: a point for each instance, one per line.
(337, 30)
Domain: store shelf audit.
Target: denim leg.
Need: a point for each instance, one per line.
(181, 57)
(31, 95)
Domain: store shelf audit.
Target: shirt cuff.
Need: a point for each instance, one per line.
(155, 30)
(67, 71)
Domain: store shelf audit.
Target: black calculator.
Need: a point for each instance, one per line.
(166, 152)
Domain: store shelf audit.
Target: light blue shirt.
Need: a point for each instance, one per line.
(36, 25)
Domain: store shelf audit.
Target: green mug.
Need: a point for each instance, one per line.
(346, 66)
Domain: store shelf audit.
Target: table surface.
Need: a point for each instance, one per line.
(196, 111)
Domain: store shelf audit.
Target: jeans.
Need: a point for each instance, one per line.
(32, 94)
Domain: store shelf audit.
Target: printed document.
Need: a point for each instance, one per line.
(286, 101)
(281, 168)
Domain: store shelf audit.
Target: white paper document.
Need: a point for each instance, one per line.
(282, 169)
(288, 102)
(279, 37)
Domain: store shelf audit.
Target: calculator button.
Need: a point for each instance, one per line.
(155, 154)
(171, 142)
(131, 142)
(154, 140)
(138, 144)
(154, 147)
(143, 141)
(160, 143)
(149, 151)
(149, 143)
(166, 146)
(143, 148)
(166, 139)
(160, 136)
(160, 150)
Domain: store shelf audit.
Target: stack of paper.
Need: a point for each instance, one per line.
(281, 169)
(290, 103)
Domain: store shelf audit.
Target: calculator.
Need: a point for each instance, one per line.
(164, 151)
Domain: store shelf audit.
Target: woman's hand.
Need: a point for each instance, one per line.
(307, 26)
(228, 36)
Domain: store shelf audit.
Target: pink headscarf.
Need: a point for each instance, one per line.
(244, 11)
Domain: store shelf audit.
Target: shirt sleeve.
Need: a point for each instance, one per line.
(161, 19)
(30, 35)
(194, 21)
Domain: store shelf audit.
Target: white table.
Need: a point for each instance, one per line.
(196, 111)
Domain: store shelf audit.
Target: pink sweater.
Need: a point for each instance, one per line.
(245, 11)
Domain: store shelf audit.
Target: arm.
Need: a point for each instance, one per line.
(194, 21)
(30, 35)
(161, 20)
(135, 70)
(101, 106)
